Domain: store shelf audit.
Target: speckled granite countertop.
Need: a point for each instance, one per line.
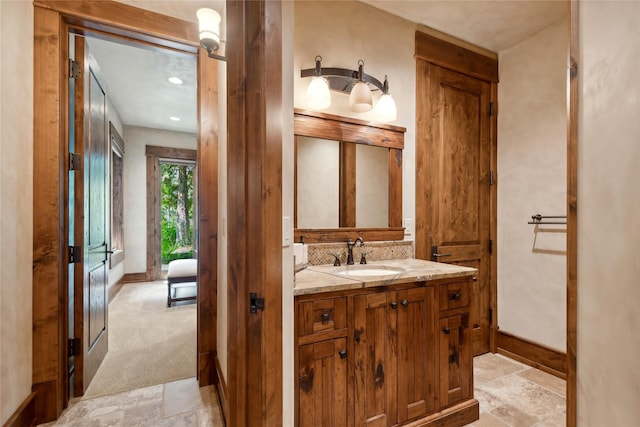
(327, 278)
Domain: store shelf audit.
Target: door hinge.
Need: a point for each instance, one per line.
(490, 246)
(490, 316)
(255, 303)
(73, 347)
(74, 254)
(75, 162)
(491, 109)
(75, 69)
(492, 177)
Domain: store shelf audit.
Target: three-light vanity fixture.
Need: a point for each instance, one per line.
(209, 26)
(356, 83)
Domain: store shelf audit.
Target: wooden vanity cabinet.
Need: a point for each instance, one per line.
(456, 352)
(407, 357)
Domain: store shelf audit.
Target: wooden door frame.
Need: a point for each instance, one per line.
(53, 20)
(254, 187)
(154, 190)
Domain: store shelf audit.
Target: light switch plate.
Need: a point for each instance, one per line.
(407, 223)
(286, 231)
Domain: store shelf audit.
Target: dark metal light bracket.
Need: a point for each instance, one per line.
(343, 79)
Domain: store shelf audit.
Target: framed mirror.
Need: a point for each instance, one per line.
(348, 175)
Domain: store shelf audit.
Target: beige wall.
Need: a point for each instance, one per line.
(608, 215)
(16, 203)
(532, 135)
(135, 188)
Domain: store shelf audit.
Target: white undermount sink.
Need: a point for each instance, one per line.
(368, 271)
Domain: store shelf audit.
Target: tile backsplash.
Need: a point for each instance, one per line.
(321, 253)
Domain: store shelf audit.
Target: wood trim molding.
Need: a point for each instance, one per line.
(171, 153)
(50, 271)
(127, 21)
(346, 129)
(572, 215)
(331, 235)
(223, 396)
(449, 55)
(133, 278)
(532, 354)
(25, 415)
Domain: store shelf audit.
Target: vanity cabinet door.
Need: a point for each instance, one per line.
(456, 375)
(417, 369)
(322, 384)
(374, 338)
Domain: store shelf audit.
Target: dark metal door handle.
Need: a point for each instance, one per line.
(342, 353)
(404, 303)
(446, 330)
(435, 255)
(393, 305)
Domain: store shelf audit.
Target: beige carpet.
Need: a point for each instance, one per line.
(148, 342)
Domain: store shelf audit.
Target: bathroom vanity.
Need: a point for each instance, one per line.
(384, 344)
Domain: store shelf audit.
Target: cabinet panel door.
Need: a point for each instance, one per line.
(456, 376)
(322, 381)
(375, 359)
(416, 353)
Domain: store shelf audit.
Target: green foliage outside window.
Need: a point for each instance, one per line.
(176, 211)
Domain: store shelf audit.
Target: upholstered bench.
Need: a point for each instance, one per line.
(182, 272)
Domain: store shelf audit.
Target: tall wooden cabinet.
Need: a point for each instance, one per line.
(386, 356)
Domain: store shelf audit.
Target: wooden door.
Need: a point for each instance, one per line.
(456, 376)
(92, 144)
(453, 194)
(375, 359)
(416, 353)
(322, 380)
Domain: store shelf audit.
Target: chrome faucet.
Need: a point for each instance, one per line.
(350, 246)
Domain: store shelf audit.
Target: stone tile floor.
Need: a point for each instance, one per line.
(510, 394)
(513, 394)
(175, 404)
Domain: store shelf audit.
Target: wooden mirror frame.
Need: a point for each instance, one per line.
(355, 131)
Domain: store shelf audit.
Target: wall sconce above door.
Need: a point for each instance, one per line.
(357, 84)
(209, 27)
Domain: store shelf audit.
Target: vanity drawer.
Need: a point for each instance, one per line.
(454, 295)
(322, 316)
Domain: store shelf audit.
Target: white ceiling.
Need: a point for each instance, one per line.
(136, 78)
(136, 83)
(492, 24)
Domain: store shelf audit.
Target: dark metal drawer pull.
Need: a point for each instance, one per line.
(455, 296)
(325, 317)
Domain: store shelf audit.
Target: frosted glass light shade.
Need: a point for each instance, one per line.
(386, 110)
(318, 95)
(209, 25)
(360, 99)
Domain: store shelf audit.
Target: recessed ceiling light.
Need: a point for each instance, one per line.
(174, 118)
(175, 80)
